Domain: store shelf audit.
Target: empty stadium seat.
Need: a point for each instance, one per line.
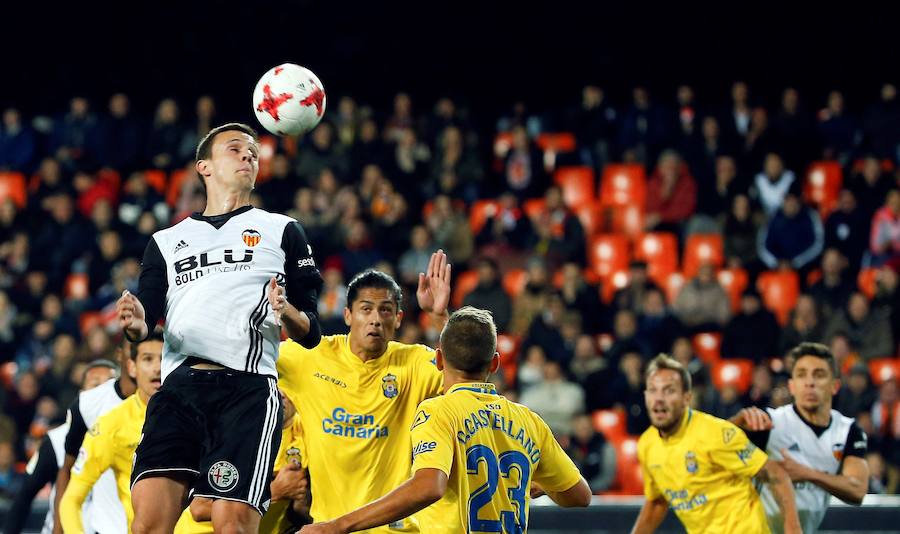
(734, 372)
(612, 283)
(589, 217)
(12, 186)
(672, 285)
(88, 320)
(533, 207)
(514, 282)
(623, 185)
(577, 184)
(479, 213)
(779, 291)
(823, 185)
(463, 284)
(268, 144)
(156, 179)
(867, 282)
(882, 369)
(556, 141)
(628, 480)
(608, 254)
(176, 182)
(707, 346)
(660, 251)
(627, 219)
(610, 423)
(734, 281)
(700, 249)
(76, 287)
(508, 347)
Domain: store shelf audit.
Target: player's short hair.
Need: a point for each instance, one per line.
(816, 350)
(100, 363)
(664, 361)
(155, 335)
(373, 279)
(204, 148)
(469, 340)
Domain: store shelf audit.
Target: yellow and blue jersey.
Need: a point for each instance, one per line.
(276, 519)
(491, 449)
(704, 471)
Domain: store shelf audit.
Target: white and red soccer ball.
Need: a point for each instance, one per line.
(289, 100)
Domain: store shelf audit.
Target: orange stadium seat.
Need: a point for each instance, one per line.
(627, 219)
(589, 217)
(514, 282)
(464, 283)
(823, 185)
(173, 190)
(700, 249)
(608, 254)
(428, 207)
(735, 283)
(779, 291)
(612, 283)
(88, 320)
(660, 251)
(77, 287)
(268, 144)
(707, 346)
(610, 423)
(623, 184)
(736, 372)
(111, 177)
(882, 369)
(533, 207)
(557, 142)
(508, 347)
(672, 285)
(12, 186)
(628, 478)
(479, 213)
(156, 178)
(867, 282)
(577, 184)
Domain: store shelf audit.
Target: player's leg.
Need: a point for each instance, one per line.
(158, 503)
(244, 420)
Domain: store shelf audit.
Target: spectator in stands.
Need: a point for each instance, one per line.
(752, 333)
(456, 169)
(846, 355)
(834, 288)
(857, 394)
(771, 186)
(415, 260)
(584, 298)
(740, 235)
(546, 330)
(450, 230)
(204, 120)
(703, 153)
(18, 145)
(506, 228)
(121, 137)
(870, 186)
(409, 167)
(643, 129)
(401, 120)
(683, 351)
(585, 362)
(75, 136)
(533, 298)
(715, 197)
(490, 295)
(389, 224)
(320, 153)
(847, 229)
(838, 130)
(10, 329)
(531, 371)
(703, 305)
(594, 457)
(793, 237)
(368, 148)
(21, 403)
(164, 142)
(278, 191)
(881, 134)
(793, 130)
(760, 392)
(626, 339)
(594, 124)
(657, 324)
(736, 120)
(869, 330)
(360, 253)
(803, 326)
(877, 472)
(886, 430)
(671, 195)
(627, 390)
(555, 399)
(333, 299)
(724, 402)
(884, 242)
(10, 478)
(60, 240)
(758, 141)
(631, 297)
(887, 296)
(523, 167)
(138, 197)
(558, 235)
(347, 121)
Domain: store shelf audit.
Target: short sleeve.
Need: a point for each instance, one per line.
(555, 471)
(857, 442)
(431, 440)
(95, 455)
(77, 429)
(732, 450)
(291, 358)
(651, 491)
(430, 379)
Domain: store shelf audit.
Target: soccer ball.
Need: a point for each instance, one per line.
(289, 100)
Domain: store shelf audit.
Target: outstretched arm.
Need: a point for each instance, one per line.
(651, 516)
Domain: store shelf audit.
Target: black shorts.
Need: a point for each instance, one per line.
(220, 428)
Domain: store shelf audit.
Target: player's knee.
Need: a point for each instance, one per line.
(230, 517)
(141, 526)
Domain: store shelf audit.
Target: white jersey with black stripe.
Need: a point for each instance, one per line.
(217, 274)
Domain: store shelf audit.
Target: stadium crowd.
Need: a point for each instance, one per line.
(746, 230)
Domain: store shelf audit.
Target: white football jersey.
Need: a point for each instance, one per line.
(103, 511)
(821, 449)
(217, 278)
(57, 437)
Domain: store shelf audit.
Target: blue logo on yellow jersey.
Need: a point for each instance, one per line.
(389, 386)
(690, 462)
(423, 446)
(350, 425)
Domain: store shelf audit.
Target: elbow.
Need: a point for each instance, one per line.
(856, 499)
(583, 499)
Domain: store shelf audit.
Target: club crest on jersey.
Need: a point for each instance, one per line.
(293, 456)
(251, 237)
(690, 462)
(389, 386)
(223, 476)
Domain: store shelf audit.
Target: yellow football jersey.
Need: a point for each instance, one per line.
(289, 452)
(705, 473)
(491, 449)
(110, 444)
(356, 417)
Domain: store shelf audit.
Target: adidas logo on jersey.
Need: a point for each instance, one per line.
(795, 447)
(181, 244)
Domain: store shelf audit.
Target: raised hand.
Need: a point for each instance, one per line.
(277, 299)
(433, 293)
(131, 315)
(753, 419)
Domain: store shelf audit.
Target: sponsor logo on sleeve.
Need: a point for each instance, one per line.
(727, 434)
(421, 418)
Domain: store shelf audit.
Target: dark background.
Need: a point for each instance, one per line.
(486, 54)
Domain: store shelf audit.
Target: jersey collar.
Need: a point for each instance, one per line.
(682, 429)
(477, 387)
(218, 221)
